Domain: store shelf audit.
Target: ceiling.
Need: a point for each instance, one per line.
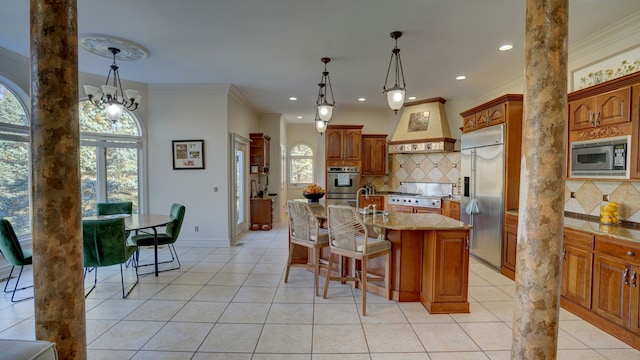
(270, 50)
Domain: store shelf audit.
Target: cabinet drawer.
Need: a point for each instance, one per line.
(578, 239)
(511, 221)
(618, 249)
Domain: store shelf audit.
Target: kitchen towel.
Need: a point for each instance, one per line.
(343, 180)
(472, 207)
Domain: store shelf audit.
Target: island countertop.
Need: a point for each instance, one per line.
(402, 221)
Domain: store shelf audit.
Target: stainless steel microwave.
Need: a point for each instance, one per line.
(601, 158)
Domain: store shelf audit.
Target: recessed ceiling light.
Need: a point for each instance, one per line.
(299, 117)
(412, 97)
(362, 99)
(460, 77)
(293, 98)
(505, 47)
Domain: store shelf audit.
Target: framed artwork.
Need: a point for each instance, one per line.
(188, 154)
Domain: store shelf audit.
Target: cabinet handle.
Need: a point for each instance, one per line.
(625, 274)
(564, 254)
(598, 118)
(467, 246)
(633, 279)
(591, 119)
(631, 253)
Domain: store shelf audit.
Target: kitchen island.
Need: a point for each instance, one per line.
(429, 259)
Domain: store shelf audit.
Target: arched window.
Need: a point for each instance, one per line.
(14, 162)
(301, 165)
(109, 158)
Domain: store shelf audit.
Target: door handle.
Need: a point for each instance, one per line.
(633, 279)
(598, 118)
(467, 246)
(591, 115)
(625, 274)
(564, 254)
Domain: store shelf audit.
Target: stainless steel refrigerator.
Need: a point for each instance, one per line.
(482, 170)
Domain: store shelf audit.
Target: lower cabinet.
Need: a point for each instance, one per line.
(445, 267)
(413, 209)
(451, 209)
(577, 265)
(261, 213)
(377, 200)
(509, 246)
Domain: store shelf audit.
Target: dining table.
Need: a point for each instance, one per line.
(137, 222)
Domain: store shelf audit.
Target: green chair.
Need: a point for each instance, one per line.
(168, 238)
(114, 208)
(13, 253)
(105, 244)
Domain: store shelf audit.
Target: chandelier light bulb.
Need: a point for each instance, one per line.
(321, 125)
(114, 112)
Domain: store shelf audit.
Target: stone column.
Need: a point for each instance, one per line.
(540, 225)
(55, 135)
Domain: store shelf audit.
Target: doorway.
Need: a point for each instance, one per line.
(239, 199)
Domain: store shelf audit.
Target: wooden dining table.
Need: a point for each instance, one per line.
(135, 222)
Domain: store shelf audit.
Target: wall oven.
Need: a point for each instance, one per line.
(600, 158)
(343, 183)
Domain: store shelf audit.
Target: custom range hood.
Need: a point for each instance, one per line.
(422, 128)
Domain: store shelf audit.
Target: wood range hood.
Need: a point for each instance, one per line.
(422, 128)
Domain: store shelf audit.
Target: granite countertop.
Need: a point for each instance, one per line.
(595, 228)
(402, 221)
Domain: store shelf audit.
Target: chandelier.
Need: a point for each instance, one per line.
(395, 94)
(323, 106)
(112, 97)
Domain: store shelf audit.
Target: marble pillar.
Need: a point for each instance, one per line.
(540, 227)
(56, 215)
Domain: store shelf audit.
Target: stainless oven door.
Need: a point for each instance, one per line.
(340, 184)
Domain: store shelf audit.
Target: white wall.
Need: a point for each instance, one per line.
(191, 112)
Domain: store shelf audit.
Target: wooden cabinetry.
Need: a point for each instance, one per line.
(377, 200)
(509, 246)
(343, 145)
(479, 119)
(606, 110)
(374, 154)
(259, 154)
(261, 211)
(615, 274)
(600, 110)
(413, 209)
(445, 271)
(577, 265)
(451, 208)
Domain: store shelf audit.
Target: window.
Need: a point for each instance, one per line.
(109, 163)
(14, 162)
(301, 165)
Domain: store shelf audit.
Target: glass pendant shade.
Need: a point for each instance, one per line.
(321, 125)
(395, 98)
(325, 111)
(114, 112)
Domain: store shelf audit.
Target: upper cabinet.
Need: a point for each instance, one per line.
(259, 153)
(507, 108)
(606, 109)
(374, 154)
(343, 145)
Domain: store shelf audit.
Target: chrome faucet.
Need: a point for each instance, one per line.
(366, 196)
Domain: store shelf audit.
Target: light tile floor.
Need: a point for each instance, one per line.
(232, 303)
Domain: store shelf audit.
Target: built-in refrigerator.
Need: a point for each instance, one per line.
(482, 163)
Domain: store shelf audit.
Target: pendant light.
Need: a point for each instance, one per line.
(321, 125)
(323, 106)
(395, 94)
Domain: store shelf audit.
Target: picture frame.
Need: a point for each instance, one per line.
(187, 154)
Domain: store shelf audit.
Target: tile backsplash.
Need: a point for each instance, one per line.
(445, 168)
(434, 167)
(589, 194)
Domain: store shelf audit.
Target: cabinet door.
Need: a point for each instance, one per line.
(510, 245)
(400, 208)
(267, 154)
(635, 299)
(469, 123)
(613, 107)
(582, 113)
(496, 114)
(420, 210)
(445, 272)
(454, 210)
(577, 275)
(374, 154)
(333, 145)
(352, 144)
(611, 290)
(378, 201)
(482, 119)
